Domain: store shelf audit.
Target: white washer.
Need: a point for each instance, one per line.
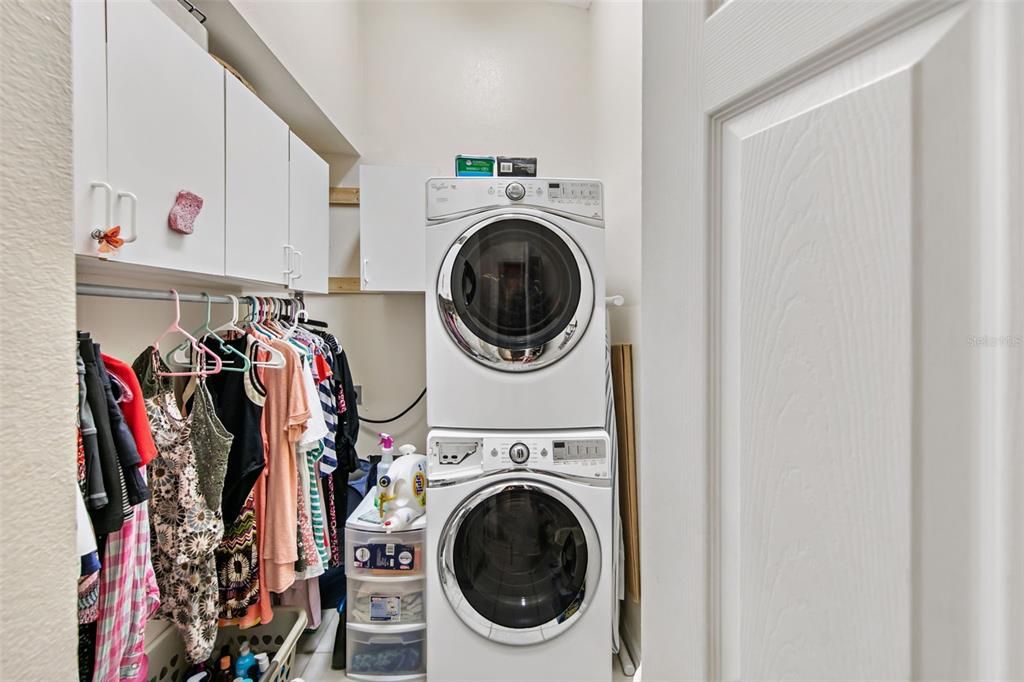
(515, 316)
(519, 550)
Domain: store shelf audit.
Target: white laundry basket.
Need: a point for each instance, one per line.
(168, 662)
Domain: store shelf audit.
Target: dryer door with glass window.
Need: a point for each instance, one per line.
(515, 292)
(519, 562)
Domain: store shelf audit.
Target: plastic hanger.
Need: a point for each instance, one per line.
(198, 347)
(277, 357)
(180, 356)
(255, 317)
(301, 312)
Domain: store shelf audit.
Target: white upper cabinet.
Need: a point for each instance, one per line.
(392, 217)
(93, 202)
(165, 99)
(257, 188)
(309, 220)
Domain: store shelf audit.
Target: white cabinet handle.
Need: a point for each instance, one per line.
(299, 254)
(366, 271)
(289, 268)
(109, 215)
(134, 215)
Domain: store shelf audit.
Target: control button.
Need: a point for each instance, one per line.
(519, 453)
(515, 191)
(544, 452)
(490, 190)
(494, 452)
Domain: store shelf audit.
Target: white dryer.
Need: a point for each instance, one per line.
(515, 316)
(519, 551)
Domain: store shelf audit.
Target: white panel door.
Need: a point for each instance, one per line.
(392, 217)
(309, 217)
(166, 134)
(256, 187)
(832, 307)
(93, 201)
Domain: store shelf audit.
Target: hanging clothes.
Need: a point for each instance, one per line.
(285, 415)
(186, 529)
(128, 592)
(108, 517)
(238, 399)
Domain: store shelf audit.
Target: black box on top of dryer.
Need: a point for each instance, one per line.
(517, 166)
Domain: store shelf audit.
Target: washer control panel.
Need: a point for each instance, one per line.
(581, 454)
(455, 196)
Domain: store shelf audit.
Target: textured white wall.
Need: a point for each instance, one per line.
(38, 398)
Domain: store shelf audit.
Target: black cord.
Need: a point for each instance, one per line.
(399, 415)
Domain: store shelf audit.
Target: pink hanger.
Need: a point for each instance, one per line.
(196, 346)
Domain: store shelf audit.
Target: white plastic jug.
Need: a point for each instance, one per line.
(402, 491)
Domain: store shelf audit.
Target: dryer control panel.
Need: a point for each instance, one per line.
(450, 197)
(582, 454)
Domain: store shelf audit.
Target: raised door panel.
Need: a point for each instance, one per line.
(309, 217)
(256, 187)
(89, 123)
(392, 216)
(166, 129)
(841, 290)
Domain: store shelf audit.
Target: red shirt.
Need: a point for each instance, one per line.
(135, 409)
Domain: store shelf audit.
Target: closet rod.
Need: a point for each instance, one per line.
(145, 294)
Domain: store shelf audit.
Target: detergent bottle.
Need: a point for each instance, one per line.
(402, 491)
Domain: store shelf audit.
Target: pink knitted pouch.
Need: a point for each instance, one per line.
(183, 214)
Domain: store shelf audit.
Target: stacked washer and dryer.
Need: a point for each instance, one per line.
(519, 520)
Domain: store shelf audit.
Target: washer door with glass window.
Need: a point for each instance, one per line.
(519, 562)
(515, 292)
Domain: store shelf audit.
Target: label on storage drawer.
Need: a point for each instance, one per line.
(384, 608)
(389, 556)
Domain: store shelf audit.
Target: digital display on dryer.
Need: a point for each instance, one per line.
(572, 451)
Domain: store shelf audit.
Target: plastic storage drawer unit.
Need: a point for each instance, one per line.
(398, 599)
(383, 554)
(377, 652)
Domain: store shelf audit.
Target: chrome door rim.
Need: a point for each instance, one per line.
(505, 359)
(470, 616)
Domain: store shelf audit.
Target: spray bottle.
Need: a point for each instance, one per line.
(387, 449)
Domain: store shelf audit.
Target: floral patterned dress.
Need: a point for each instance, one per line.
(185, 528)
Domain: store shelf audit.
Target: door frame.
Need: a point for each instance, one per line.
(684, 110)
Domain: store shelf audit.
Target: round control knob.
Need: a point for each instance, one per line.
(519, 453)
(515, 191)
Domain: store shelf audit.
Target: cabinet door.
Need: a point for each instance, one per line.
(308, 217)
(165, 99)
(392, 215)
(89, 127)
(256, 191)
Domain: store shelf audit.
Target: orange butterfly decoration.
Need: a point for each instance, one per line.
(110, 241)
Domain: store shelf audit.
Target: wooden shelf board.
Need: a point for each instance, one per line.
(344, 196)
(344, 285)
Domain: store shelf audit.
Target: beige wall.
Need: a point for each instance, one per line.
(440, 79)
(616, 60)
(319, 42)
(39, 566)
